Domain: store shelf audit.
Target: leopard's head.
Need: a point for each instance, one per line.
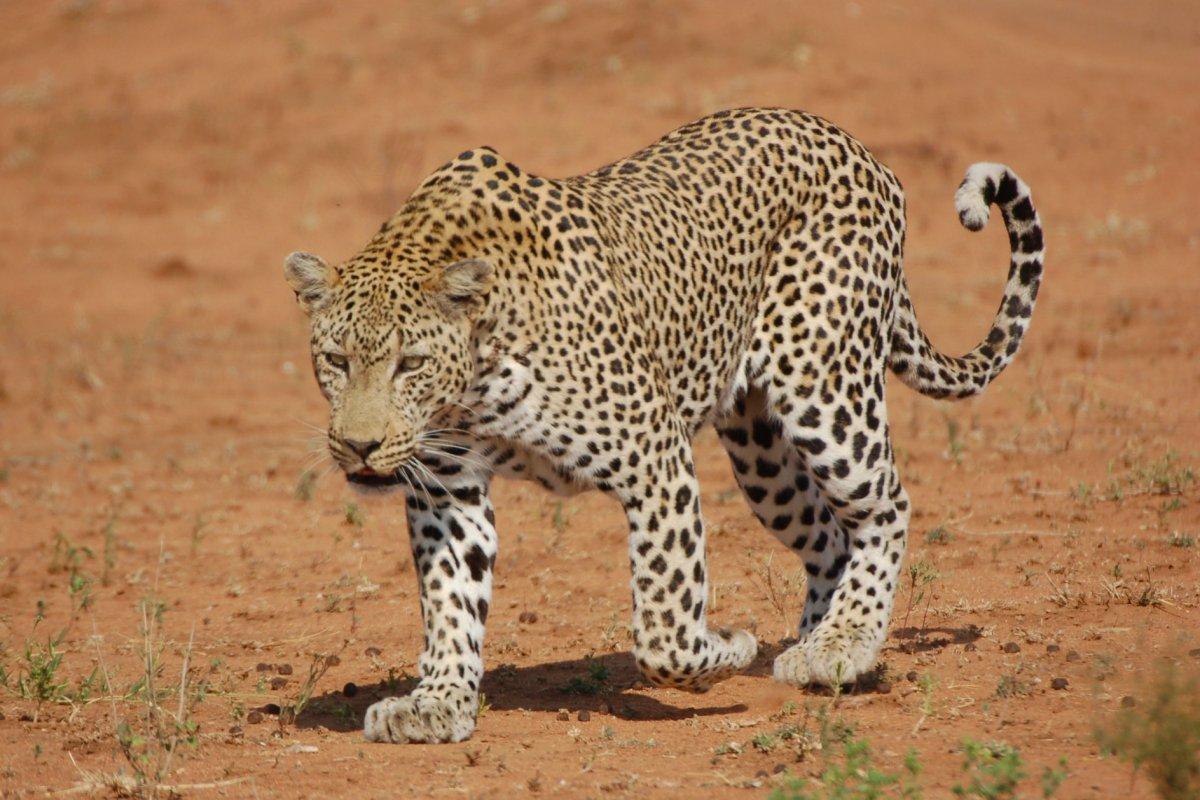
(391, 349)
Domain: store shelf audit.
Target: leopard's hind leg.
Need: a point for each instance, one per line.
(785, 499)
(819, 354)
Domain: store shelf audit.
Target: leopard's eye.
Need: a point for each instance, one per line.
(338, 361)
(410, 363)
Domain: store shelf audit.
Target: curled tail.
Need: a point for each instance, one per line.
(913, 358)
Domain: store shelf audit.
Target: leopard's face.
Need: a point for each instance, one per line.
(390, 353)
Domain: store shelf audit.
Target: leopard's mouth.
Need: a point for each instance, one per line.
(374, 479)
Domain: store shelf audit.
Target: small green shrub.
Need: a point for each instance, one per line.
(1160, 733)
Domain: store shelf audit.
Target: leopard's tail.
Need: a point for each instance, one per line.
(913, 358)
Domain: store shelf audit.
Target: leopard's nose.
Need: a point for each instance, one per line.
(361, 448)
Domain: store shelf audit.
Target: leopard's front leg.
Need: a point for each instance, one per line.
(454, 548)
(673, 644)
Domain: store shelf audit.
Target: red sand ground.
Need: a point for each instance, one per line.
(158, 159)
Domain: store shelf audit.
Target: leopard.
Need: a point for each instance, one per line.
(743, 272)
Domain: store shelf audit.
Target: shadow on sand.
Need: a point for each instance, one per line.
(606, 683)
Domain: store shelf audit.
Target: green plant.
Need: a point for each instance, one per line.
(1166, 476)
(955, 446)
(921, 575)
(559, 520)
(1161, 732)
(1012, 685)
(198, 525)
(38, 679)
(593, 683)
(939, 535)
(927, 684)
(354, 515)
(1178, 539)
(151, 739)
(856, 777)
(766, 741)
(69, 558)
(305, 485)
(320, 664)
(1053, 778)
(993, 771)
(110, 547)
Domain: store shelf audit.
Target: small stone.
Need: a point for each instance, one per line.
(528, 617)
(970, 647)
(1128, 702)
(261, 667)
(372, 652)
(283, 669)
(254, 717)
(1058, 683)
(778, 768)
(883, 687)
(1194, 653)
(235, 731)
(333, 661)
(762, 773)
(273, 709)
(912, 676)
(1072, 656)
(564, 715)
(584, 715)
(1011, 647)
(278, 683)
(1052, 648)
(349, 690)
(26, 717)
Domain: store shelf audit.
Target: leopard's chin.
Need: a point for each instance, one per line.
(373, 483)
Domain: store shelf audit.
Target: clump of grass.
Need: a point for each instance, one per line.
(783, 592)
(39, 678)
(921, 575)
(306, 485)
(939, 535)
(1166, 476)
(593, 683)
(320, 664)
(1160, 733)
(1117, 230)
(955, 447)
(559, 520)
(354, 515)
(151, 739)
(110, 546)
(69, 558)
(794, 734)
(1012, 685)
(993, 771)
(855, 776)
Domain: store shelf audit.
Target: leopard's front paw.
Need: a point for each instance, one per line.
(826, 659)
(420, 718)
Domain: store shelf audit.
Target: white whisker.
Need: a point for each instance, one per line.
(411, 464)
(435, 478)
(468, 458)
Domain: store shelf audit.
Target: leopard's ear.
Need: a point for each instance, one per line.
(311, 279)
(460, 289)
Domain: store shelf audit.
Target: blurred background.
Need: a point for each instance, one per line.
(157, 412)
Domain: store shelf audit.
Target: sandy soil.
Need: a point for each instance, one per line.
(157, 160)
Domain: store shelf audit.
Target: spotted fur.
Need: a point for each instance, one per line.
(744, 270)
